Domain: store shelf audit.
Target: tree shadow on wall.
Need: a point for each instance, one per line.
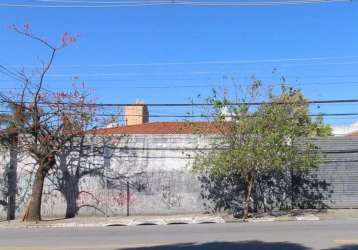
(248, 245)
(273, 191)
(309, 192)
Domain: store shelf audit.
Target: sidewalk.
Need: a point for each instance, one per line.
(303, 215)
(81, 221)
(117, 221)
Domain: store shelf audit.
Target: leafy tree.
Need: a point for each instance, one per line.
(256, 140)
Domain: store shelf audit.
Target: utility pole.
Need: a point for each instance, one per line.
(107, 165)
(128, 197)
(12, 179)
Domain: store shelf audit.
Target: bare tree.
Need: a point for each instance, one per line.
(54, 118)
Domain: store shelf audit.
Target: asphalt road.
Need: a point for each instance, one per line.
(298, 235)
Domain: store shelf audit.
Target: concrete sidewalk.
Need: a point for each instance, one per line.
(303, 215)
(295, 215)
(117, 221)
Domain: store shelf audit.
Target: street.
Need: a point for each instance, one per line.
(299, 235)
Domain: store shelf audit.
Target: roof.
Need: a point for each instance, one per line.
(353, 134)
(163, 128)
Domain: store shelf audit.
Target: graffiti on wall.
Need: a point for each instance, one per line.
(170, 198)
(110, 198)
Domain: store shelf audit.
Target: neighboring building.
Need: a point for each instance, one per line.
(155, 159)
(137, 114)
(164, 151)
(344, 130)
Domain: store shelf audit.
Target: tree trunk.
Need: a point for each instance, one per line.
(292, 191)
(33, 212)
(12, 180)
(71, 207)
(248, 192)
(71, 192)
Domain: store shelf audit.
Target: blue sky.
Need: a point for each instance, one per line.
(169, 54)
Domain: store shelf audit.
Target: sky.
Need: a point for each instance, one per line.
(173, 53)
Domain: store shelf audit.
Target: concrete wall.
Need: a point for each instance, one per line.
(339, 170)
(156, 166)
(158, 169)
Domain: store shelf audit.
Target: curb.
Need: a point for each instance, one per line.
(162, 222)
(273, 219)
(123, 222)
(307, 218)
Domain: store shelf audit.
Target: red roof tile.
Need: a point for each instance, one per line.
(353, 134)
(162, 128)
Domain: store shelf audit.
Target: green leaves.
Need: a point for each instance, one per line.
(265, 138)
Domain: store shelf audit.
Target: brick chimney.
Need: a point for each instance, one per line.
(136, 115)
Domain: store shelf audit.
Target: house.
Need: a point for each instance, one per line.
(146, 169)
(149, 162)
(345, 130)
(165, 149)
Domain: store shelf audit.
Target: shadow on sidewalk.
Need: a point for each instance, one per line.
(247, 245)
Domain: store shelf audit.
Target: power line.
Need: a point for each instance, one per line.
(58, 4)
(80, 74)
(21, 5)
(225, 116)
(208, 148)
(337, 101)
(200, 116)
(175, 86)
(204, 62)
(105, 2)
(252, 3)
